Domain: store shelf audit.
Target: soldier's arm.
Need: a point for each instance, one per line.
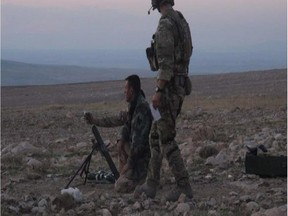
(165, 51)
(111, 121)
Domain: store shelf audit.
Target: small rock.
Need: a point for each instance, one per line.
(114, 207)
(233, 193)
(25, 148)
(35, 164)
(43, 203)
(252, 206)
(137, 206)
(14, 209)
(208, 151)
(212, 202)
(212, 213)
(71, 212)
(86, 207)
(106, 212)
(33, 176)
(278, 137)
(182, 208)
(65, 201)
(127, 211)
(61, 140)
(81, 145)
(246, 198)
(208, 176)
(146, 204)
(182, 198)
(259, 197)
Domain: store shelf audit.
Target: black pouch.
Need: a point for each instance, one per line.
(151, 56)
(188, 85)
(265, 165)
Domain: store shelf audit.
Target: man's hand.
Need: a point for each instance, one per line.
(156, 100)
(89, 118)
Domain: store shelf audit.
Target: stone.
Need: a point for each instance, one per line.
(65, 201)
(233, 193)
(25, 148)
(182, 208)
(276, 211)
(245, 198)
(182, 198)
(136, 206)
(86, 207)
(222, 159)
(35, 164)
(211, 202)
(106, 212)
(43, 203)
(278, 137)
(212, 213)
(252, 206)
(208, 151)
(127, 211)
(146, 203)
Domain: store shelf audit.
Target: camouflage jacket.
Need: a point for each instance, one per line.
(167, 46)
(136, 127)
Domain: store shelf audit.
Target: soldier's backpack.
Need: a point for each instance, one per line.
(185, 37)
(185, 45)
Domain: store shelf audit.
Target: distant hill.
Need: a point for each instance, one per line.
(17, 73)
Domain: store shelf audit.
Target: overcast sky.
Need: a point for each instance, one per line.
(217, 25)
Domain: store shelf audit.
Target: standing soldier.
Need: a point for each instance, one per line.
(133, 145)
(169, 54)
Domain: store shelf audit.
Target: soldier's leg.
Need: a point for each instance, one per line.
(155, 162)
(125, 183)
(172, 152)
(123, 153)
(153, 175)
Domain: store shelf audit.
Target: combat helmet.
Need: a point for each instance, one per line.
(156, 3)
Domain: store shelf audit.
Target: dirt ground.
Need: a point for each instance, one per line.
(44, 140)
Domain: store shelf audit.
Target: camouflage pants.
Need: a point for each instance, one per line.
(162, 140)
(123, 153)
(130, 178)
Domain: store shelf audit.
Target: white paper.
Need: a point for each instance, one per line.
(155, 113)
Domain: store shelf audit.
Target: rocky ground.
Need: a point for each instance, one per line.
(44, 141)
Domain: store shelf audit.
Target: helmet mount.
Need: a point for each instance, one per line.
(156, 4)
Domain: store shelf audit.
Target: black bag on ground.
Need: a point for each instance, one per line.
(265, 165)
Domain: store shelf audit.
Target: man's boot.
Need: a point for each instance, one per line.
(174, 195)
(179, 171)
(148, 189)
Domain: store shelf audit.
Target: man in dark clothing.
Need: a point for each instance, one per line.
(133, 145)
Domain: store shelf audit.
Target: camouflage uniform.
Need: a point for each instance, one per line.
(162, 135)
(135, 136)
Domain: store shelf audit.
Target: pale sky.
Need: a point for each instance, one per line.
(217, 25)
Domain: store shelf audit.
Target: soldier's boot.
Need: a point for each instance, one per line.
(179, 171)
(148, 189)
(125, 185)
